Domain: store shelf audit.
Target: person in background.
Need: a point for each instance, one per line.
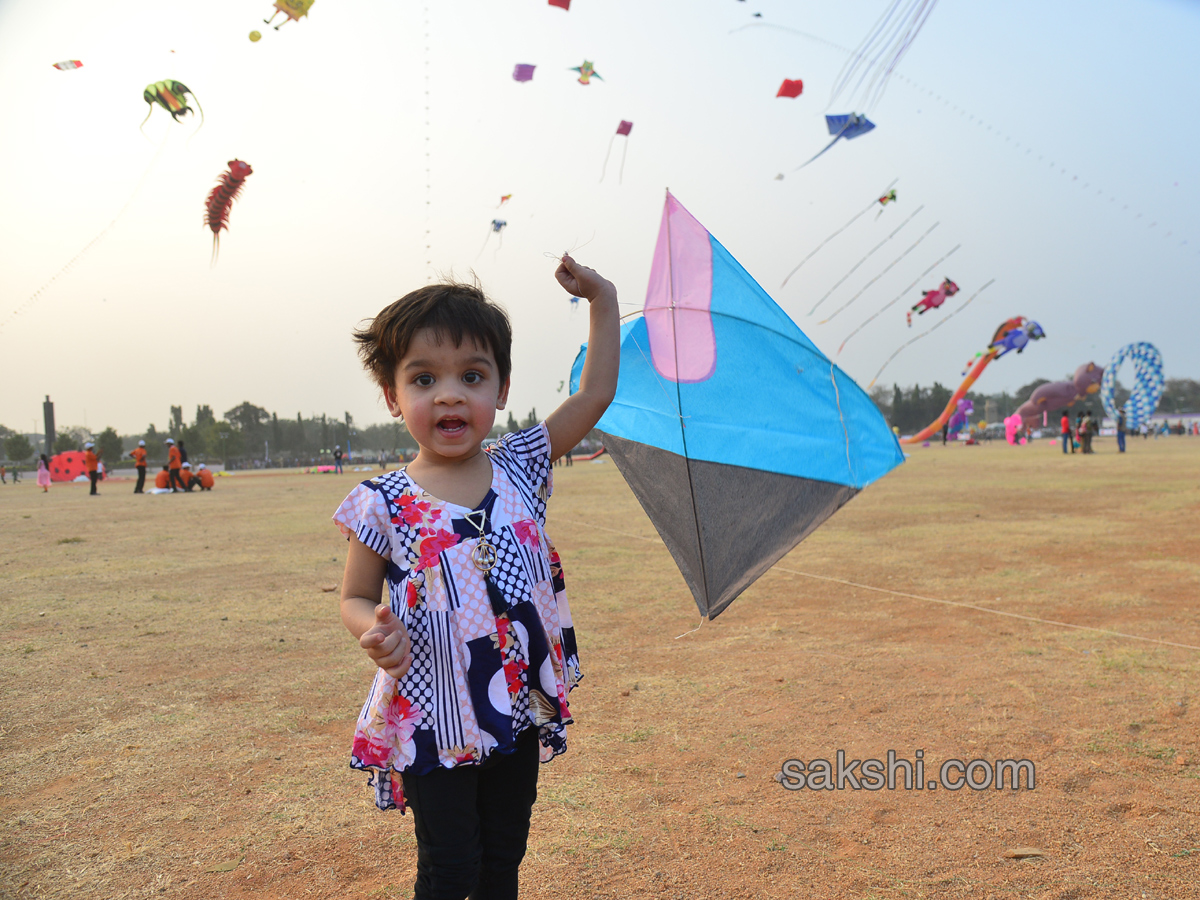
(93, 465)
(1085, 431)
(185, 475)
(1121, 431)
(16, 472)
(337, 459)
(139, 460)
(43, 476)
(1065, 425)
(174, 463)
(204, 477)
(3, 480)
(182, 453)
(163, 478)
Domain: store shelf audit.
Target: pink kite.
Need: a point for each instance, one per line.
(623, 129)
(791, 88)
(561, 4)
(933, 299)
(523, 72)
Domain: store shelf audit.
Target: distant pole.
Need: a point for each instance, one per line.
(48, 416)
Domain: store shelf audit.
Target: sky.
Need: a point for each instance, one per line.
(1054, 144)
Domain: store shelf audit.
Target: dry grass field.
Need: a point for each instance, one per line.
(179, 694)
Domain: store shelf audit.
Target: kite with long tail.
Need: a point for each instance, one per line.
(858, 215)
(220, 200)
(623, 129)
(848, 126)
(895, 262)
(870, 253)
(799, 442)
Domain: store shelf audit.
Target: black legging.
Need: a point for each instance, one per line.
(175, 479)
(141, 482)
(472, 824)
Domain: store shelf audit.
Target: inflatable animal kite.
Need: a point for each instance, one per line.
(220, 200)
(1148, 383)
(961, 417)
(295, 10)
(933, 299)
(172, 96)
(1058, 395)
(745, 481)
(1016, 339)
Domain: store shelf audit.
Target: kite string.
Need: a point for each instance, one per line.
(891, 302)
(922, 334)
(842, 280)
(956, 603)
(835, 234)
(607, 153)
(886, 269)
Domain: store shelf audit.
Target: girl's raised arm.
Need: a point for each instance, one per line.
(578, 414)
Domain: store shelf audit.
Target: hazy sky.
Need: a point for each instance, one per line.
(331, 226)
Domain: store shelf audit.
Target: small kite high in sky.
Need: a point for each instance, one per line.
(848, 126)
(790, 88)
(172, 96)
(561, 4)
(295, 10)
(623, 129)
(504, 198)
(586, 71)
(735, 433)
(523, 72)
(68, 64)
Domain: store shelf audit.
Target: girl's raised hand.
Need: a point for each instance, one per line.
(580, 280)
(387, 642)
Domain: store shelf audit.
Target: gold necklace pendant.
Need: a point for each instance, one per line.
(484, 554)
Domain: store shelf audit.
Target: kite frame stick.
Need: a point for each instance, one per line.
(835, 234)
(899, 296)
(928, 331)
(886, 269)
(868, 256)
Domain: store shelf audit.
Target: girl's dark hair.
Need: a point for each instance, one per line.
(452, 310)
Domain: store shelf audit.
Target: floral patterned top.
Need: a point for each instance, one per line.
(493, 653)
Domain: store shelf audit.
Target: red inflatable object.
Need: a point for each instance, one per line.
(68, 466)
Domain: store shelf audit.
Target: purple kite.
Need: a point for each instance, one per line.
(961, 417)
(623, 129)
(1061, 394)
(523, 72)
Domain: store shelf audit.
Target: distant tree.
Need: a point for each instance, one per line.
(1180, 395)
(176, 419)
(204, 416)
(66, 441)
(111, 449)
(17, 447)
(880, 396)
(531, 419)
(512, 423)
(247, 417)
(5, 432)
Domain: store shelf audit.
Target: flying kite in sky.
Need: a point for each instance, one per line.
(871, 64)
(623, 129)
(1147, 383)
(523, 72)
(870, 253)
(1015, 338)
(1015, 324)
(933, 299)
(587, 71)
(790, 88)
(889, 197)
(858, 215)
(172, 96)
(497, 227)
(848, 126)
(504, 198)
(68, 64)
(561, 4)
(735, 433)
(295, 10)
(220, 200)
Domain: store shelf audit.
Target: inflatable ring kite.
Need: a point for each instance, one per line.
(1147, 383)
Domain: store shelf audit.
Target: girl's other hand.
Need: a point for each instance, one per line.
(387, 642)
(580, 280)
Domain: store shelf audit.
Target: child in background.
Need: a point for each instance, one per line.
(474, 645)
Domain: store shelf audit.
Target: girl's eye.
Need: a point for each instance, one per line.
(424, 379)
(473, 377)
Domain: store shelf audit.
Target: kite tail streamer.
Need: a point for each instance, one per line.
(853, 219)
(621, 173)
(607, 153)
(958, 396)
(868, 256)
(916, 281)
(886, 269)
(36, 295)
(837, 137)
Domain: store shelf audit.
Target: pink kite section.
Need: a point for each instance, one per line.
(562, 4)
(791, 88)
(678, 308)
(523, 72)
(624, 127)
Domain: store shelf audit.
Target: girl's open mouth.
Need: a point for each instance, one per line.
(452, 426)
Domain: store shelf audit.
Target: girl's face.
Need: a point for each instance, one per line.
(447, 395)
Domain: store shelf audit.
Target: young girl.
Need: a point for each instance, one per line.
(474, 644)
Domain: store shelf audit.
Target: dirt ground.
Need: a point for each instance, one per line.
(179, 694)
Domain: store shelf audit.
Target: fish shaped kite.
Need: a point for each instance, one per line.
(295, 10)
(933, 299)
(587, 71)
(523, 72)
(68, 64)
(848, 126)
(732, 485)
(172, 96)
